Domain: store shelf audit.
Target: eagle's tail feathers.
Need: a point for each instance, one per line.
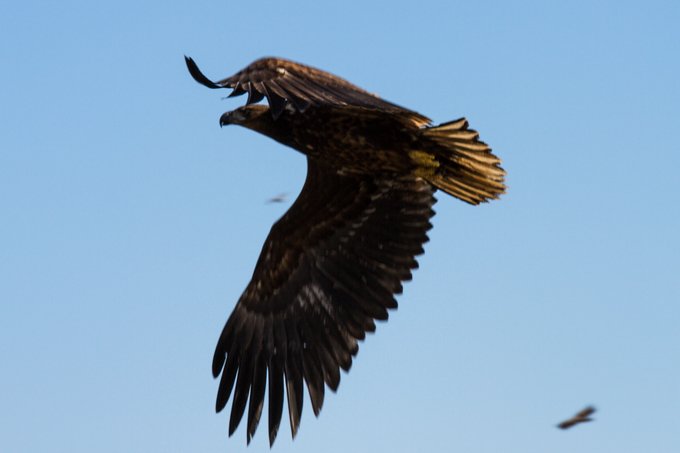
(460, 164)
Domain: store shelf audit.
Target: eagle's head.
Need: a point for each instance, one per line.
(258, 117)
(249, 116)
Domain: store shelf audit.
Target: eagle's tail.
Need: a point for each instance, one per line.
(459, 163)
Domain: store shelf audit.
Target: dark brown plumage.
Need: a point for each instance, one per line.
(333, 263)
(581, 417)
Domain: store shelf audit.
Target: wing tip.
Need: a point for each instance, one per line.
(219, 357)
(272, 436)
(197, 75)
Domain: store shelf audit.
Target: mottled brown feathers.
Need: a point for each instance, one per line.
(332, 265)
(328, 269)
(286, 82)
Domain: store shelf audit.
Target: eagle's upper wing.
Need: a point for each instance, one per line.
(285, 82)
(329, 267)
(590, 410)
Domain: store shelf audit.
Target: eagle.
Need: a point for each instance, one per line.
(582, 416)
(332, 265)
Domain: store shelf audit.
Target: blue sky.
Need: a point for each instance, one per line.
(131, 223)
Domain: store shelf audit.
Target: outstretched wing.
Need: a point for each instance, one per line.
(329, 267)
(581, 417)
(284, 82)
(590, 410)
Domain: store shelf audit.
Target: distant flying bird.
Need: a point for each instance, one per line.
(280, 198)
(581, 417)
(334, 262)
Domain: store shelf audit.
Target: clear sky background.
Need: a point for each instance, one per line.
(130, 223)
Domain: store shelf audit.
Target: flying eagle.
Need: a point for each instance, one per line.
(581, 417)
(334, 262)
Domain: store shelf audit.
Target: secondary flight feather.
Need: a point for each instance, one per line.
(334, 262)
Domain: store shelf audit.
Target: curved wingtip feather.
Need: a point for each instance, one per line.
(198, 75)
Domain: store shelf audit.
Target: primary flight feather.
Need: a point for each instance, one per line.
(333, 263)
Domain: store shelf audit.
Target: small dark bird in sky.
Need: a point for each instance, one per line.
(333, 263)
(581, 417)
(280, 198)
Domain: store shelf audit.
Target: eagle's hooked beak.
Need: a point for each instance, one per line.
(243, 116)
(227, 118)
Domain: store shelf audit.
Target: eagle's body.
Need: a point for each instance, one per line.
(352, 139)
(334, 262)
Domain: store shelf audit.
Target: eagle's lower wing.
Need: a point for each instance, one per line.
(329, 267)
(284, 82)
